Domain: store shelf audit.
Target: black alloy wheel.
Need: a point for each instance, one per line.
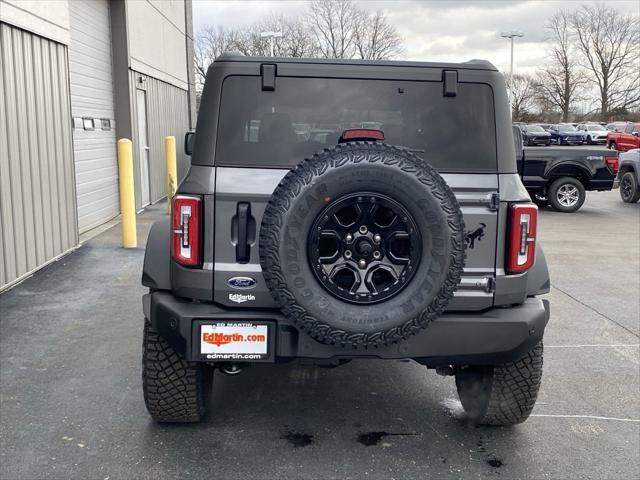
(364, 247)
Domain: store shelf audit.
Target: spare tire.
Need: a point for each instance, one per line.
(362, 245)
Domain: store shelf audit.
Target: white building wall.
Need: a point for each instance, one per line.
(157, 45)
(47, 19)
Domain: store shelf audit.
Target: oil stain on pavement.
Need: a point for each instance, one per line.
(369, 439)
(297, 439)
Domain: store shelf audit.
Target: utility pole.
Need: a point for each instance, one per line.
(511, 36)
(272, 37)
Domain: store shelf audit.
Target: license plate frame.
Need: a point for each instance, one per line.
(220, 349)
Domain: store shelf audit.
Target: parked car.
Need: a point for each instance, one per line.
(625, 138)
(615, 126)
(353, 248)
(560, 177)
(593, 133)
(629, 176)
(565, 134)
(535, 135)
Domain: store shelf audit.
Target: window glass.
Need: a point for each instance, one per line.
(304, 115)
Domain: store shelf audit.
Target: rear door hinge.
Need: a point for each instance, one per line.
(494, 202)
(491, 285)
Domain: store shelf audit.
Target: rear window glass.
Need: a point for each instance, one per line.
(304, 115)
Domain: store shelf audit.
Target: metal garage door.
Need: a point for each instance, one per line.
(92, 108)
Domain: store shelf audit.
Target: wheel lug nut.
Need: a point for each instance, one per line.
(363, 229)
(347, 253)
(362, 264)
(377, 238)
(376, 255)
(349, 238)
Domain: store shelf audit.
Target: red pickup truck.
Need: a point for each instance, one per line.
(625, 138)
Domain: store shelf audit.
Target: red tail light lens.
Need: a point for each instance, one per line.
(186, 230)
(612, 164)
(521, 249)
(362, 134)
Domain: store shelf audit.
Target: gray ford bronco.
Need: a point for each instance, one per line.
(337, 210)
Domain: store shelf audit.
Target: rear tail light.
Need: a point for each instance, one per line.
(612, 164)
(521, 249)
(186, 230)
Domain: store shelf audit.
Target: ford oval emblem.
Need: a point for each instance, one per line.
(242, 283)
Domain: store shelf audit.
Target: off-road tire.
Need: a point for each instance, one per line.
(552, 194)
(298, 199)
(635, 195)
(502, 394)
(175, 391)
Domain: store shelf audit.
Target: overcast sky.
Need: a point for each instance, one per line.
(448, 31)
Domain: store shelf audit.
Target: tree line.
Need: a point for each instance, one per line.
(594, 50)
(327, 29)
(591, 51)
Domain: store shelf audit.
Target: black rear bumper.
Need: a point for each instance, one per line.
(494, 336)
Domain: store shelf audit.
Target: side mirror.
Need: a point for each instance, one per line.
(189, 139)
(635, 134)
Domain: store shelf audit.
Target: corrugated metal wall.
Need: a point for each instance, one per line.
(37, 191)
(167, 114)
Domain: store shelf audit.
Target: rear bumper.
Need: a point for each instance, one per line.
(494, 336)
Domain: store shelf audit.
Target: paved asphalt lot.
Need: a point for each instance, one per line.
(71, 404)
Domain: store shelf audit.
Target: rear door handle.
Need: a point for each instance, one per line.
(243, 249)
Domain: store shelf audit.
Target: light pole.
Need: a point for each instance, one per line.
(272, 36)
(511, 36)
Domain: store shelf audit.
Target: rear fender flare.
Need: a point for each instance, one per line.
(156, 272)
(552, 170)
(538, 281)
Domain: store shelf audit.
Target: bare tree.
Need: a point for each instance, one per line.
(561, 80)
(209, 43)
(375, 38)
(610, 44)
(333, 25)
(522, 93)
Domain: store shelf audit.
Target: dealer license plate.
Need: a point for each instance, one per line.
(234, 341)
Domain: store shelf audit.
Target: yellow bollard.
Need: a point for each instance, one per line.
(127, 195)
(172, 170)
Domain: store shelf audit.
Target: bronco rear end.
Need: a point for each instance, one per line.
(332, 212)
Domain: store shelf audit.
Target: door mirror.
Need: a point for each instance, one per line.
(189, 140)
(635, 134)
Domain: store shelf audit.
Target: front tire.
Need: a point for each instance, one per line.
(175, 391)
(566, 194)
(629, 188)
(613, 146)
(501, 394)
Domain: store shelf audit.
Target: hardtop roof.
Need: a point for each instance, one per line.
(474, 64)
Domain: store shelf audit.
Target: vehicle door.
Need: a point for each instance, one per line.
(626, 138)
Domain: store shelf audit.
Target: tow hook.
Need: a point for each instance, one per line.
(231, 369)
(445, 370)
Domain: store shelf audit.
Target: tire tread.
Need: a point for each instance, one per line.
(175, 390)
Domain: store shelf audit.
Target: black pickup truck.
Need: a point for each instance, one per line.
(560, 176)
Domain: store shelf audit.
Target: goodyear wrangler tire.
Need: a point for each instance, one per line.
(175, 391)
(389, 224)
(502, 394)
